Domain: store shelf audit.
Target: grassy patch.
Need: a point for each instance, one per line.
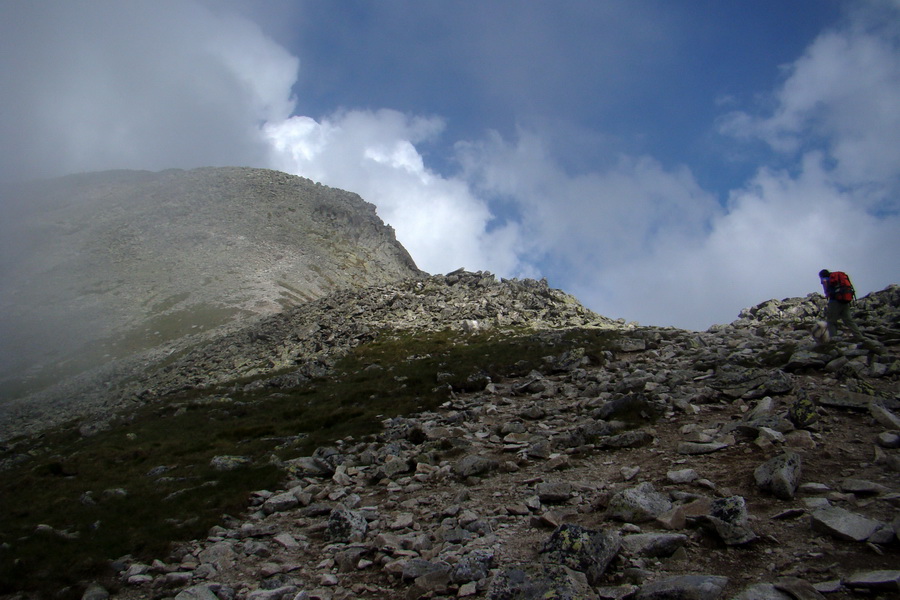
(147, 481)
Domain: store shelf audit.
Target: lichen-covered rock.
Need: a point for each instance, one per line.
(802, 411)
(474, 566)
(229, 463)
(585, 550)
(538, 581)
(730, 519)
(345, 525)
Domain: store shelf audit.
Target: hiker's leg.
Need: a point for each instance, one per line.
(832, 314)
(847, 318)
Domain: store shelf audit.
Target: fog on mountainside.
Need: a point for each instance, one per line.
(100, 267)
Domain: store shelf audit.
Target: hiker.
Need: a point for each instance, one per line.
(839, 292)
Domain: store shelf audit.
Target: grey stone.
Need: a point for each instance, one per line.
(884, 534)
(780, 475)
(345, 525)
(554, 492)
(862, 487)
(306, 466)
(682, 476)
(197, 592)
(616, 592)
(804, 359)
(229, 463)
(280, 503)
(889, 439)
(280, 593)
(95, 591)
(630, 407)
(394, 466)
(798, 588)
(638, 504)
(684, 587)
(730, 519)
(828, 587)
(474, 464)
(220, 555)
(843, 524)
(763, 591)
(887, 580)
(629, 439)
(418, 567)
(474, 566)
(737, 382)
(700, 447)
(653, 544)
(888, 419)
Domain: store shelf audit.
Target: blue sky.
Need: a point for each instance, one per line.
(666, 161)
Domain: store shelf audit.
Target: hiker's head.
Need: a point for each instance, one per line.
(824, 273)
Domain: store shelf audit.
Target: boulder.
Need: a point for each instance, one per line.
(730, 519)
(197, 592)
(585, 550)
(638, 504)
(474, 464)
(345, 525)
(530, 581)
(780, 475)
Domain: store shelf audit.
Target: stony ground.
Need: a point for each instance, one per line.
(598, 476)
(434, 514)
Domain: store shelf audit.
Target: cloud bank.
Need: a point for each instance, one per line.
(101, 85)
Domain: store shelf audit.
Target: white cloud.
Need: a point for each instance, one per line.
(836, 207)
(600, 218)
(642, 242)
(439, 220)
(778, 232)
(639, 240)
(100, 84)
(842, 94)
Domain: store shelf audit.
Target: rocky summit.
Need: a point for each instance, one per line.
(626, 462)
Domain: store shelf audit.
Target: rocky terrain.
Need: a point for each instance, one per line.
(741, 462)
(105, 268)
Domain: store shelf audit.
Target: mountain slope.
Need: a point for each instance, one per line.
(460, 436)
(98, 267)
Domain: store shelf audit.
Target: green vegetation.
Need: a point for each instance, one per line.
(147, 480)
